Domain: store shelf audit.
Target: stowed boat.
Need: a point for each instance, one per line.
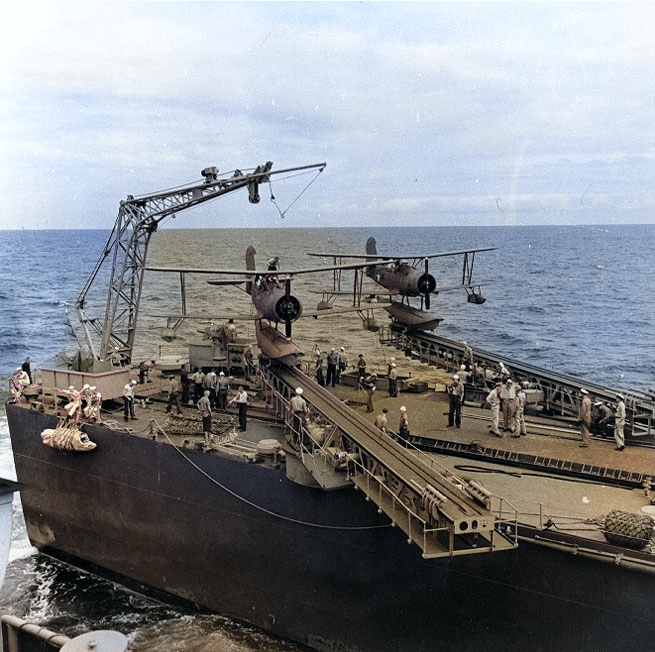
(321, 529)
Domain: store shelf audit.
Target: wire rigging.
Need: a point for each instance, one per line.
(259, 507)
(300, 194)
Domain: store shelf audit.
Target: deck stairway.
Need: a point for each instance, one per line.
(442, 514)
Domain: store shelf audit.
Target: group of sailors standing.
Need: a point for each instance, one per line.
(328, 367)
(217, 384)
(509, 398)
(208, 391)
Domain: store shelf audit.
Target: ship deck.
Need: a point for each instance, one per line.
(546, 477)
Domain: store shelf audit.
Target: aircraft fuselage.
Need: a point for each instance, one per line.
(403, 279)
(273, 302)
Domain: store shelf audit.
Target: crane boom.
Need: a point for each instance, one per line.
(127, 247)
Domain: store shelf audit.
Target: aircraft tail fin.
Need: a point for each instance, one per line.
(250, 264)
(371, 250)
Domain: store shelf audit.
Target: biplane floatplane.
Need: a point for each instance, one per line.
(274, 304)
(406, 278)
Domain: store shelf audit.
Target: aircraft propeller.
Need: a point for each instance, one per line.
(426, 284)
(288, 308)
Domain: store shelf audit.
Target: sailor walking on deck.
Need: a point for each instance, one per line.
(209, 382)
(241, 399)
(128, 401)
(507, 396)
(585, 418)
(455, 398)
(198, 377)
(393, 380)
(205, 409)
(464, 378)
(619, 422)
(320, 377)
(493, 399)
(368, 384)
(250, 368)
(222, 385)
(298, 409)
(361, 368)
(332, 366)
(173, 394)
(403, 425)
(519, 412)
(343, 363)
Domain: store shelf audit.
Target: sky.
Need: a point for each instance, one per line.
(428, 113)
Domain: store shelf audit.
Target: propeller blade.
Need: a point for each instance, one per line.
(427, 275)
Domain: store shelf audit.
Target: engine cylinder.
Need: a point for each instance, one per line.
(288, 308)
(426, 284)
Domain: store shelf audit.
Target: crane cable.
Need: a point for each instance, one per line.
(300, 194)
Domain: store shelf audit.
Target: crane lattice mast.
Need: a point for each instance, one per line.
(127, 247)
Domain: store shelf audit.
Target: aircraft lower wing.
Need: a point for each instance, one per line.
(342, 310)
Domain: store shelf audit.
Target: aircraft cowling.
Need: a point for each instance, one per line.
(426, 284)
(288, 308)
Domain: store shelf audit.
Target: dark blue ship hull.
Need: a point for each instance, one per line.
(321, 568)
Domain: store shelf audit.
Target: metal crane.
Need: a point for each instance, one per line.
(127, 247)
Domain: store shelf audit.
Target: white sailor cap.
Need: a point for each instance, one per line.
(403, 408)
(298, 390)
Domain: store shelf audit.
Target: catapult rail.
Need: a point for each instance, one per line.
(442, 514)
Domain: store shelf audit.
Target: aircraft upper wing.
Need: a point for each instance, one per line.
(262, 272)
(381, 259)
(375, 257)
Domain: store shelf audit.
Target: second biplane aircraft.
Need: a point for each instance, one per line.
(407, 277)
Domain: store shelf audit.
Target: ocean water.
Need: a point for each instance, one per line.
(574, 299)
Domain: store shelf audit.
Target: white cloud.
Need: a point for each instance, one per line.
(406, 101)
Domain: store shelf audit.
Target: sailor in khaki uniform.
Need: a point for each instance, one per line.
(585, 418)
